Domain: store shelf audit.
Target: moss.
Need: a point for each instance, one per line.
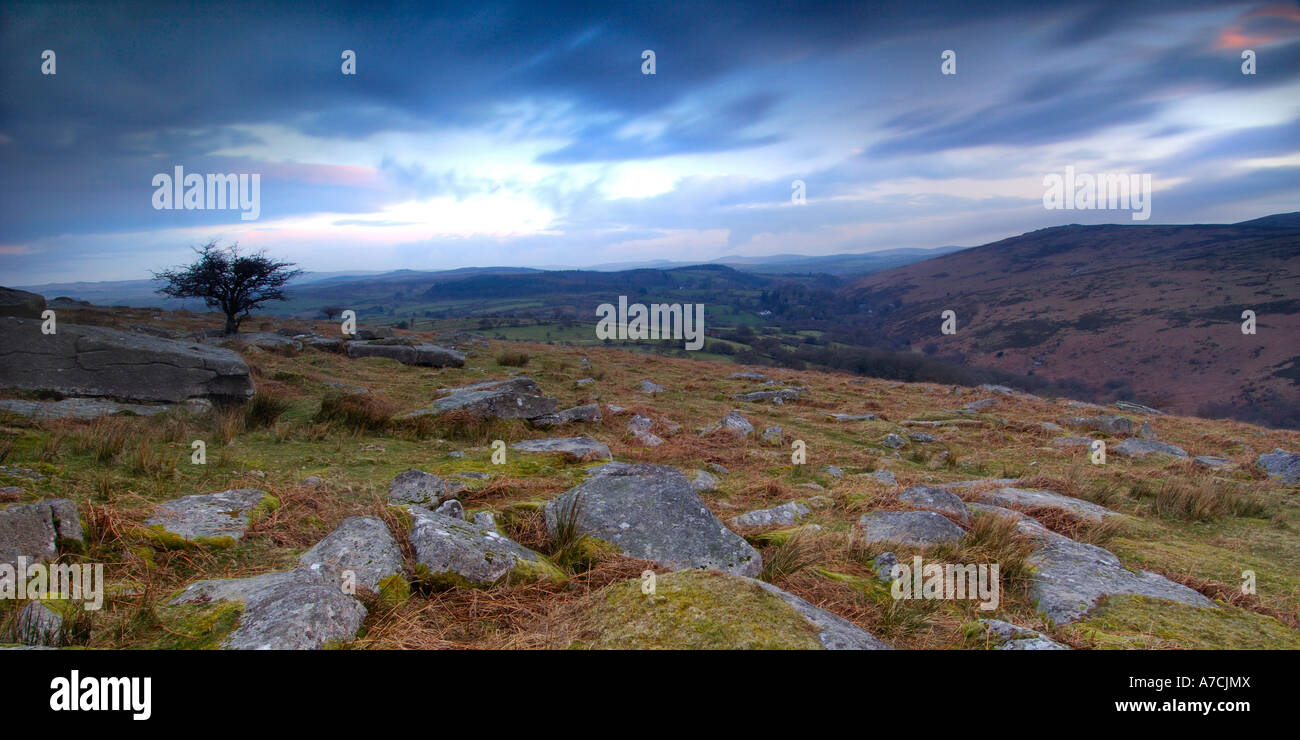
(586, 552)
(394, 591)
(156, 536)
(263, 508)
(692, 610)
(1139, 622)
(528, 571)
(196, 626)
(445, 581)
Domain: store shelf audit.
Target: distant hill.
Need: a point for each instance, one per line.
(1152, 312)
(141, 292)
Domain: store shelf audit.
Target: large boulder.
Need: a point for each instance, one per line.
(653, 512)
(129, 366)
(1070, 577)
(516, 398)
(451, 552)
(14, 302)
(292, 610)
(425, 355)
(361, 552)
(1282, 465)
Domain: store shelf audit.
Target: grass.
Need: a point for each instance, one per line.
(328, 416)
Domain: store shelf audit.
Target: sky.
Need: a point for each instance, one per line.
(529, 134)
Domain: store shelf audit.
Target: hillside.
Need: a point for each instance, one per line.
(329, 437)
(1152, 313)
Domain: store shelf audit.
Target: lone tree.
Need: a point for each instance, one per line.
(227, 280)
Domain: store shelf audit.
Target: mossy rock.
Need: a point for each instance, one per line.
(156, 536)
(263, 509)
(196, 626)
(1143, 623)
(692, 609)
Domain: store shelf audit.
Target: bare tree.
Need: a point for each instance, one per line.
(229, 281)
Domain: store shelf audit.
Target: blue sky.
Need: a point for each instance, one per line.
(526, 134)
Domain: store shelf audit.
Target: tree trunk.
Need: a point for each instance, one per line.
(232, 325)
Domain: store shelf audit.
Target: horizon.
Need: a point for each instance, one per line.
(486, 137)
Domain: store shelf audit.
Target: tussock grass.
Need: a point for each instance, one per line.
(357, 411)
(1200, 499)
(263, 410)
(513, 359)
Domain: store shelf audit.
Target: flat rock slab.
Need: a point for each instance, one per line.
(417, 487)
(461, 553)
(291, 610)
(1007, 636)
(588, 414)
(123, 365)
(78, 408)
(784, 394)
(1212, 462)
(1136, 447)
(222, 514)
(852, 417)
(577, 448)
(1071, 576)
(33, 531)
(423, 355)
(1111, 424)
(937, 499)
(1283, 465)
(785, 514)
(833, 631)
(918, 528)
(1027, 499)
(516, 398)
(653, 512)
(363, 546)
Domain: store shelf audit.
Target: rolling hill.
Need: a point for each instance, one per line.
(1152, 313)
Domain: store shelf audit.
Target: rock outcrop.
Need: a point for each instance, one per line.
(653, 512)
(129, 366)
